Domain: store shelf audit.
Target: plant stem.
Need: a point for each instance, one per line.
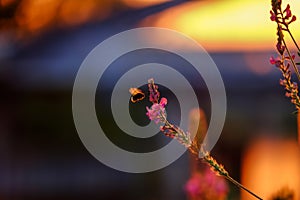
(288, 30)
(241, 186)
(286, 47)
(220, 170)
(291, 59)
(215, 166)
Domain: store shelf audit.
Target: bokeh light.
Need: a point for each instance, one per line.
(269, 165)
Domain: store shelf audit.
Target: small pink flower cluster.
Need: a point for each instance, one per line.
(206, 186)
(291, 91)
(279, 61)
(157, 112)
(285, 59)
(291, 88)
(276, 61)
(285, 17)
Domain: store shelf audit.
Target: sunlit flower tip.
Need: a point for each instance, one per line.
(288, 12)
(161, 128)
(169, 135)
(288, 8)
(273, 16)
(282, 82)
(287, 94)
(163, 102)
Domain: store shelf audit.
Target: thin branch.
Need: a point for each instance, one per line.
(288, 30)
(291, 59)
(241, 186)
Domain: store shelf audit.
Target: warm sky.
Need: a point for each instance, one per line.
(227, 24)
(218, 25)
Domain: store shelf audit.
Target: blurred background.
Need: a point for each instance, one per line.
(43, 43)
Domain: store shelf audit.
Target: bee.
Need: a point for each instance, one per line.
(136, 95)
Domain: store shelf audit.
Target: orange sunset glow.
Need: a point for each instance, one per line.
(224, 25)
(270, 165)
(217, 25)
(142, 3)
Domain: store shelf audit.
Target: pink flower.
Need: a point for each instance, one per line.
(275, 61)
(218, 183)
(205, 184)
(293, 56)
(154, 113)
(153, 97)
(157, 112)
(293, 19)
(282, 82)
(193, 186)
(163, 102)
(288, 11)
(273, 16)
(288, 14)
(221, 188)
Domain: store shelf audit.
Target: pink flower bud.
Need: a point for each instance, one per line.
(163, 102)
(273, 16)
